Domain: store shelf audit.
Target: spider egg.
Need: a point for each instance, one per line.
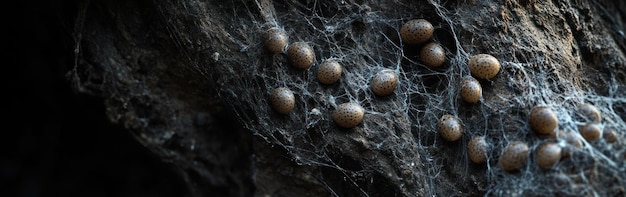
(543, 120)
(348, 115)
(416, 31)
(433, 55)
(275, 40)
(450, 128)
(572, 141)
(589, 112)
(514, 156)
(471, 91)
(477, 149)
(484, 66)
(609, 135)
(548, 154)
(590, 131)
(384, 82)
(282, 100)
(329, 72)
(301, 55)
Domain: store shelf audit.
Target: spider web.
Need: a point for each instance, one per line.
(397, 144)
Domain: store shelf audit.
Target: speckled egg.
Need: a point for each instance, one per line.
(543, 120)
(348, 115)
(384, 82)
(514, 156)
(471, 90)
(484, 66)
(547, 154)
(450, 128)
(416, 31)
(282, 100)
(329, 72)
(301, 55)
(433, 55)
(275, 40)
(477, 149)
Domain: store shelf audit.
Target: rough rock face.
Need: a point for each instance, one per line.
(191, 81)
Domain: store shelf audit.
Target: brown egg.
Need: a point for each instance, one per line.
(416, 31)
(514, 156)
(433, 55)
(348, 115)
(484, 66)
(543, 120)
(471, 91)
(450, 128)
(609, 135)
(384, 82)
(477, 149)
(275, 40)
(301, 55)
(329, 72)
(283, 100)
(548, 154)
(590, 131)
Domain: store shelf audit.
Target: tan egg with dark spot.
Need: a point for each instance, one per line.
(384, 82)
(609, 135)
(573, 143)
(547, 154)
(433, 55)
(416, 31)
(484, 66)
(471, 90)
(348, 115)
(589, 112)
(477, 149)
(275, 40)
(329, 72)
(543, 120)
(514, 156)
(282, 100)
(450, 128)
(590, 131)
(301, 55)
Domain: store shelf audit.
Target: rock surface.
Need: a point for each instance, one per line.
(191, 81)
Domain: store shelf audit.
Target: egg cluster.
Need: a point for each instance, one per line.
(542, 119)
(590, 129)
(558, 144)
(302, 56)
(553, 146)
(418, 32)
